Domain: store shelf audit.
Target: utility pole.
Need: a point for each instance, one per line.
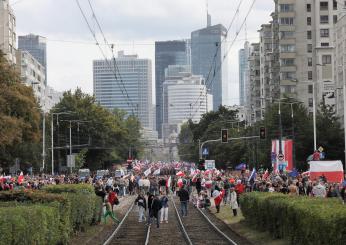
(70, 146)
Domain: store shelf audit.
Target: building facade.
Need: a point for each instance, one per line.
(32, 74)
(130, 90)
(8, 31)
(180, 94)
(176, 52)
(208, 59)
(37, 47)
(243, 57)
(254, 93)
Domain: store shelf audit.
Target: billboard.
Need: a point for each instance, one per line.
(284, 161)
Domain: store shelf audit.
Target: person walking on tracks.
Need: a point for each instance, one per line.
(164, 209)
(142, 207)
(109, 206)
(154, 210)
(184, 199)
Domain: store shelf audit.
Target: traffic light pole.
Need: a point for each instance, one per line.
(217, 140)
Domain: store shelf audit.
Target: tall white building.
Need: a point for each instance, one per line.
(185, 97)
(7, 31)
(129, 90)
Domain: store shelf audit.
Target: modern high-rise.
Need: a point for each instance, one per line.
(129, 90)
(243, 56)
(209, 60)
(7, 31)
(181, 90)
(253, 104)
(176, 52)
(37, 47)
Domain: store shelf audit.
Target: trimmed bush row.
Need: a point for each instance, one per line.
(85, 205)
(48, 216)
(301, 220)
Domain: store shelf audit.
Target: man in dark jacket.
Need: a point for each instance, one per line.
(154, 210)
(150, 200)
(142, 207)
(184, 199)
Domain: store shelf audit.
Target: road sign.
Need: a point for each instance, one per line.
(205, 152)
(71, 159)
(209, 164)
(320, 149)
(281, 157)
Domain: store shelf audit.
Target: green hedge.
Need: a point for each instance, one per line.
(85, 205)
(32, 224)
(301, 220)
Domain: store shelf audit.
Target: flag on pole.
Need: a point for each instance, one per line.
(157, 172)
(169, 182)
(265, 175)
(147, 172)
(20, 178)
(253, 174)
(241, 166)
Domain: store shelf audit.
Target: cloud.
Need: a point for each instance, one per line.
(133, 25)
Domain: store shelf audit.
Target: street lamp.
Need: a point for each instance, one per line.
(344, 95)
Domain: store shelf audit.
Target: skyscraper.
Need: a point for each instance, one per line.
(133, 94)
(37, 47)
(177, 52)
(7, 31)
(243, 71)
(207, 59)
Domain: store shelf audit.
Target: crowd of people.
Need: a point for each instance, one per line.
(203, 188)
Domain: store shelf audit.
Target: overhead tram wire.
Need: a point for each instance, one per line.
(105, 57)
(110, 46)
(217, 51)
(228, 50)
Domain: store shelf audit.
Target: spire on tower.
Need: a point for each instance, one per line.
(208, 15)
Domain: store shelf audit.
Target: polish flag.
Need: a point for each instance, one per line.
(20, 178)
(180, 174)
(194, 178)
(265, 175)
(180, 183)
(332, 170)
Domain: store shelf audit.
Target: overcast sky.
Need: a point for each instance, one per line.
(133, 26)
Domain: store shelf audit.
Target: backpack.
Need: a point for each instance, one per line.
(116, 201)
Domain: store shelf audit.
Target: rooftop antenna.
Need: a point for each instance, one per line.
(245, 30)
(208, 15)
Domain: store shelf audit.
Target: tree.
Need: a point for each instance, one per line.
(106, 134)
(19, 119)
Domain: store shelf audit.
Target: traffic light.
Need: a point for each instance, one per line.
(224, 135)
(262, 133)
(201, 164)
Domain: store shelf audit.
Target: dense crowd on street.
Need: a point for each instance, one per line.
(203, 188)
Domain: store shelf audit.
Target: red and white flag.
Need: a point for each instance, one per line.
(332, 170)
(20, 178)
(287, 152)
(180, 174)
(265, 175)
(180, 183)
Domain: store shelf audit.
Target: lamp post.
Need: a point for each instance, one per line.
(344, 97)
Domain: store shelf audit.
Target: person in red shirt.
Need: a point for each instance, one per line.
(239, 189)
(109, 203)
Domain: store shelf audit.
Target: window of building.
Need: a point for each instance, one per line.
(309, 36)
(335, 5)
(323, 5)
(308, 21)
(287, 48)
(324, 32)
(287, 62)
(288, 75)
(311, 102)
(286, 8)
(335, 19)
(309, 48)
(286, 21)
(310, 88)
(286, 34)
(326, 59)
(309, 75)
(324, 44)
(324, 19)
(308, 7)
(309, 61)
